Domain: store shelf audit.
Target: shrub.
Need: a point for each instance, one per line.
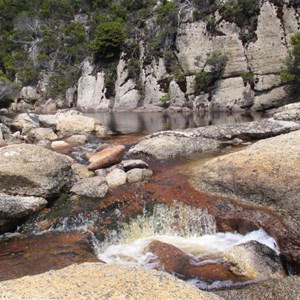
(248, 77)
(292, 73)
(109, 40)
(203, 82)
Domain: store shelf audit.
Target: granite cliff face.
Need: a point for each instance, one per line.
(165, 76)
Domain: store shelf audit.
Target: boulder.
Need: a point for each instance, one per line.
(13, 208)
(166, 147)
(133, 164)
(59, 145)
(77, 139)
(31, 170)
(94, 187)
(81, 171)
(38, 134)
(254, 261)
(115, 178)
(107, 157)
(100, 281)
(25, 122)
(167, 257)
(287, 288)
(69, 124)
(48, 121)
(137, 175)
(265, 173)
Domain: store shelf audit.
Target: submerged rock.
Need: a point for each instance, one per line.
(107, 157)
(100, 281)
(94, 187)
(168, 144)
(137, 175)
(31, 170)
(287, 288)
(265, 173)
(13, 208)
(134, 163)
(254, 261)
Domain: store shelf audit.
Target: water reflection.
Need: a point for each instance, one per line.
(131, 122)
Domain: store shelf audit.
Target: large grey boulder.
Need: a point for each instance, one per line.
(254, 261)
(31, 170)
(100, 281)
(265, 173)
(13, 208)
(165, 147)
(273, 289)
(168, 144)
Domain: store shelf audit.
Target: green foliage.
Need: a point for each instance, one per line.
(202, 8)
(241, 11)
(292, 73)
(248, 77)
(165, 100)
(203, 82)
(216, 62)
(109, 39)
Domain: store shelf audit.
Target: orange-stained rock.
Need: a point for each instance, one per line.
(170, 258)
(210, 272)
(107, 157)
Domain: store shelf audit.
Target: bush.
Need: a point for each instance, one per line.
(109, 40)
(248, 77)
(292, 73)
(203, 82)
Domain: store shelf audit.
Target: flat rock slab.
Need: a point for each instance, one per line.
(30, 170)
(266, 173)
(178, 143)
(166, 147)
(100, 281)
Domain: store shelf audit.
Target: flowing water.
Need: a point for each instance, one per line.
(119, 228)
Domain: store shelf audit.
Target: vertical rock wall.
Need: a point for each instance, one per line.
(263, 56)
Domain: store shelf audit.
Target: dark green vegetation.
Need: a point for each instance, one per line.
(52, 38)
(292, 73)
(215, 62)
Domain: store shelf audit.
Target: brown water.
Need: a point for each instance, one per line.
(65, 233)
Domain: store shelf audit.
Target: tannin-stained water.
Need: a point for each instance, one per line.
(75, 229)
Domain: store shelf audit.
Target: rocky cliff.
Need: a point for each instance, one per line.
(262, 58)
(255, 51)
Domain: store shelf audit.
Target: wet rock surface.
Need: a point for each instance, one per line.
(99, 281)
(33, 171)
(168, 144)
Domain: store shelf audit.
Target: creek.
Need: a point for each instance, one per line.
(118, 228)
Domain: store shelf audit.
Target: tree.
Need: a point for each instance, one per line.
(109, 40)
(292, 73)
